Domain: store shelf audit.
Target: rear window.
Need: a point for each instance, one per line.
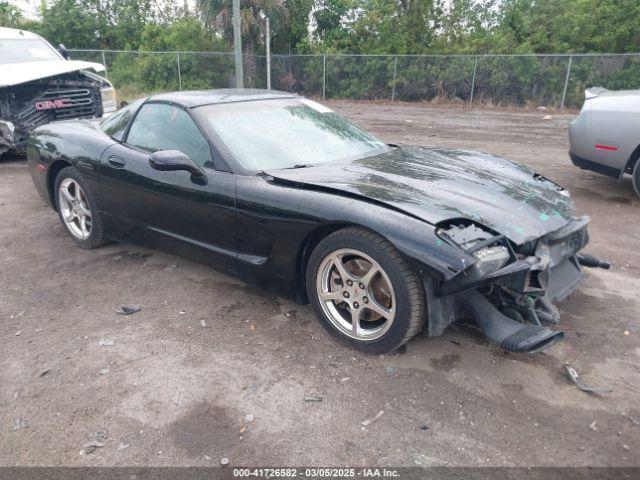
(19, 50)
(115, 124)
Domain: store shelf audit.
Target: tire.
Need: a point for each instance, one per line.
(636, 178)
(83, 204)
(395, 291)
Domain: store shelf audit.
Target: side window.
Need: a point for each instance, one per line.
(115, 124)
(159, 126)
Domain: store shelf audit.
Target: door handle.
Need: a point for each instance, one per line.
(117, 162)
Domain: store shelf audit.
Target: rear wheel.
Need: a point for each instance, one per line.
(364, 292)
(636, 178)
(77, 209)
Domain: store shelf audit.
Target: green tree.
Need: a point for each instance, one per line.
(10, 15)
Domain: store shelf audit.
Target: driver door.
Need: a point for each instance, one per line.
(166, 208)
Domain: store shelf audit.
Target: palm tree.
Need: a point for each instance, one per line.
(218, 14)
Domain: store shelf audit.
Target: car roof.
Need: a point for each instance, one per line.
(14, 33)
(199, 98)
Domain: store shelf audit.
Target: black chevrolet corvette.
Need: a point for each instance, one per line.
(384, 241)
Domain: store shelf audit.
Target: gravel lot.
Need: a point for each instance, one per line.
(207, 353)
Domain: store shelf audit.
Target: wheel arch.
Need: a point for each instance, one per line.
(53, 172)
(631, 163)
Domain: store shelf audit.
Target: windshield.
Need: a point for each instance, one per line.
(273, 134)
(26, 50)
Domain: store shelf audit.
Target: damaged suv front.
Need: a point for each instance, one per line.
(510, 289)
(38, 85)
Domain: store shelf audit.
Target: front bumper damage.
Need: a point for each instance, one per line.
(512, 303)
(7, 136)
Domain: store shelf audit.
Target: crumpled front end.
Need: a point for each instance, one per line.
(7, 136)
(510, 290)
(27, 106)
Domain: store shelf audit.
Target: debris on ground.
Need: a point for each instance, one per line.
(128, 309)
(547, 117)
(17, 334)
(369, 421)
(627, 333)
(391, 370)
(122, 446)
(203, 323)
(593, 427)
(424, 427)
(176, 397)
(249, 417)
(313, 398)
(224, 461)
(91, 447)
(577, 381)
(19, 423)
(98, 442)
(344, 379)
(626, 447)
(104, 371)
(44, 373)
(106, 343)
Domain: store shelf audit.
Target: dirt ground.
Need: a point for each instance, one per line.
(212, 368)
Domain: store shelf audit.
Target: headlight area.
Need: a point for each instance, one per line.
(495, 257)
(109, 99)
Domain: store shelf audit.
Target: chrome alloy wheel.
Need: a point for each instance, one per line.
(356, 294)
(74, 208)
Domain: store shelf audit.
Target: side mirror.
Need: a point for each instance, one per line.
(63, 51)
(174, 160)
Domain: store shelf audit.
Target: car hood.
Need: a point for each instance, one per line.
(436, 185)
(16, 73)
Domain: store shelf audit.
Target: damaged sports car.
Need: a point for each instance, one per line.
(384, 241)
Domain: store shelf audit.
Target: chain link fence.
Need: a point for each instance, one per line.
(554, 81)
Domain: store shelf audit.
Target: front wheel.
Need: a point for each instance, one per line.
(78, 210)
(364, 292)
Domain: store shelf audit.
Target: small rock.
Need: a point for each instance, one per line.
(424, 428)
(547, 117)
(224, 461)
(106, 343)
(104, 371)
(313, 398)
(626, 333)
(626, 447)
(249, 417)
(128, 309)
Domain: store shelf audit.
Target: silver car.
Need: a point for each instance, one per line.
(605, 138)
